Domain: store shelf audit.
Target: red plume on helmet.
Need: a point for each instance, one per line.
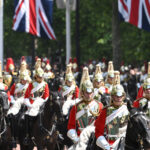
(47, 61)
(10, 63)
(70, 60)
(75, 65)
(23, 58)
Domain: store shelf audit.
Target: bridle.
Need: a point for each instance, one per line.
(140, 138)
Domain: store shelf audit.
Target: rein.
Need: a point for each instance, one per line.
(5, 126)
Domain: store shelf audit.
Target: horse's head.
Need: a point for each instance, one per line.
(139, 124)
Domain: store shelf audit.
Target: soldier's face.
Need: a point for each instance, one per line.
(23, 82)
(39, 79)
(98, 84)
(88, 96)
(118, 100)
(147, 93)
(110, 80)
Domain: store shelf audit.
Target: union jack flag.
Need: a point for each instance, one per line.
(34, 17)
(136, 12)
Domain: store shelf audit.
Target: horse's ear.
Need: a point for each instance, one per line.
(129, 105)
(145, 107)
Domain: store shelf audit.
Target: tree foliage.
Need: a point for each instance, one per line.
(95, 35)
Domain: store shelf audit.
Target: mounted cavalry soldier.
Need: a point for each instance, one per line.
(38, 64)
(70, 90)
(110, 76)
(23, 67)
(145, 93)
(10, 75)
(4, 87)
(17, 92)
(48, 74)
(140, 92)
(111, 124)
(83, 114)
(98, 83)
(36, 95)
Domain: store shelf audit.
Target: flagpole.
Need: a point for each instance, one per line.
(1, 32)
(68, 37)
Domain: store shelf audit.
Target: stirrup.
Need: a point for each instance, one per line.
(26, 141)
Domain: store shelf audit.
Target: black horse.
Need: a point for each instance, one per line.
(137, 133)
(138, 129)
(44, 134)
(4, 132)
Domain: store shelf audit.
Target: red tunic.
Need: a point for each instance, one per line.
(12, 89)
(72, 118)
(140, 93)
(136, 103)
(28, 93)
(100, 125)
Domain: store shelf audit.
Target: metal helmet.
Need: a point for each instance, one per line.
(116, 77)
(38, 63)
(69, 75)
(146, 84)
(24, 75)
(8, 79)
(39, 72)
(98, 74)
(110, 69)
(48, 67)
(87, 86)
(118, 90)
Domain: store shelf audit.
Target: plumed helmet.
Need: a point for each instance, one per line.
(110, 69)
(39, 72)
(48, 66)
(98, 74)
(74, 64)
(117, 77)
(118, 90)
(23, 60)
(146, 84)
(38, 63)
(7, 79)
(87, 86)
(10, 65)
(24, 75)
(69, 75)
(85, 75)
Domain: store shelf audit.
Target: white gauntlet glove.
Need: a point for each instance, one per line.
(12, 100)
(27, 102)
(72, 134)
(102, 143)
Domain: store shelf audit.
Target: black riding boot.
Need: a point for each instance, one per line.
(27, 137)
(12, 128)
